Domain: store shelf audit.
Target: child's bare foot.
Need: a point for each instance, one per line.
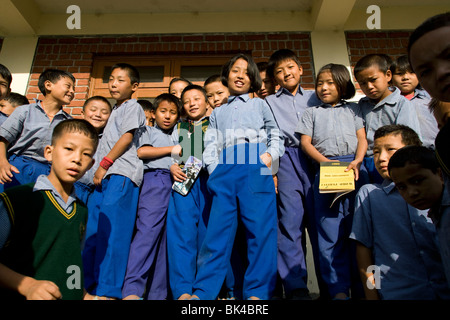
(254, 298)
(184, 296)
(194, 297)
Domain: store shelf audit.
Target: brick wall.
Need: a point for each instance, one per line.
(360, 43)
(77, 54)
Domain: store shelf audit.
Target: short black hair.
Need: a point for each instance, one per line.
(169, 98)
(6, 74)
(252, 71)
(132, 71)
(179, 79)
(146, 105)
(262, 66)
(441, 148)
(414, 155)
(341, 78)
(430, 24)
(99, 98)
(193, 87)
(16, 99)
(278, 57)
(213, 78)
(53, 75)
(75, 125)
(401, 65)
(408, 135)
(381, 60)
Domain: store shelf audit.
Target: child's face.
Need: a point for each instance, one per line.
(71, 156)
(166, 115)
(97, 113)
(442, 113)
(429, 57)
(6, 107)
(420, 187)
(120, 86)
(374, 83)
(326, 89)
(267, 87)
(406, 82)
(217, 94)
(383, 149)
(288, 74)
(194, 104)
(177, 88)
(238, 79)
(63, 90)
(149, 117)
(4, 88)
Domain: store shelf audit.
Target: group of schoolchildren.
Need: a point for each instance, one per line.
(104, 184)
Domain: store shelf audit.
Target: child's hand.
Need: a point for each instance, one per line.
(355, 165)
(98, 176)
(6, 170)
(266, 158)
(42, 290)
(275, 182)
(176, 151)
(177, 173)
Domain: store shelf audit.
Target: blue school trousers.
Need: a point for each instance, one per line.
(295, 209)
(187, 218)
(337, 251)
(111, 219)
(245, 187)
(147, 261)
(29, 171)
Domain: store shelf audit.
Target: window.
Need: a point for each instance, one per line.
(156, 72)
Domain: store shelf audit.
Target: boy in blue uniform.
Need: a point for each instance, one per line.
(294, 174)
(10, 103)
(395, 240)
(117, 179)
(187, 215)
(406, 80)
(147, 261)
(419, 179)
(40, 238)
(382, 105)
(29, 128)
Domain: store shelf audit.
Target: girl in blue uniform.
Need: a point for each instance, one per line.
(334, 131)
(242, 144)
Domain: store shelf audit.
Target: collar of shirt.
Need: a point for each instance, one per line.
(339, 104)
(244, 97)
(286, 91)
(421, 94)
(42, 183)
(168, 132)
(391, 99)
(388, 186)
(39, 106)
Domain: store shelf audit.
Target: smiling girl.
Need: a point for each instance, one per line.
(334, 131)
(240, 181)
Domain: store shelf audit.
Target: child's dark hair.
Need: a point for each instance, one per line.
(278, 57)
(433, 104)
(414, 155)
(169, 98)
(6, 74)
(132, 71)
(213, 78)
(441, 148)
(401, 65)
(408, 135)
(194, 87)
(179, 79)
(381, 60)
(98, 98)
(341, 78)
(146, 105)
(252, 71)
(75, 125)
(430, 24)
(16, 99)
(262, 66)
(52, 75)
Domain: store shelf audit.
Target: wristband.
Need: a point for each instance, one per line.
(106, 163)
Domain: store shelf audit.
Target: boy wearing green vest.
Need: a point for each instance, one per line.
(43, 223)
